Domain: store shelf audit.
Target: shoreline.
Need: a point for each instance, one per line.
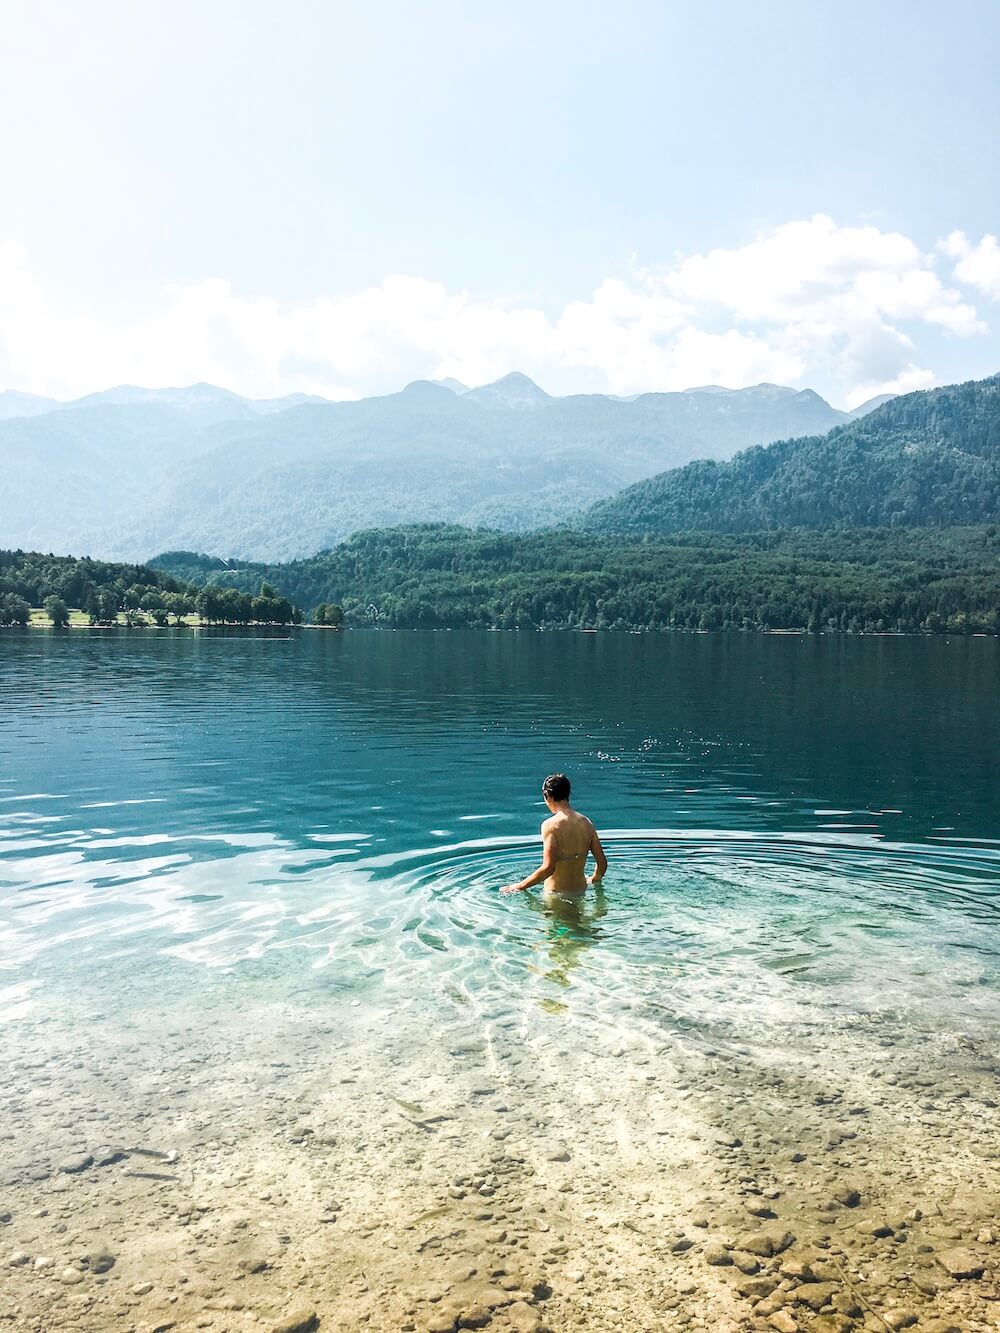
(37, 624)
(335, 1176)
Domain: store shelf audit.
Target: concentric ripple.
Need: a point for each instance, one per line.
(719, 935)
(716, 927)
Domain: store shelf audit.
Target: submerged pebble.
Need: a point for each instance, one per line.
(303, 1320)
(76, 1163)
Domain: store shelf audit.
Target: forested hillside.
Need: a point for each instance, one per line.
(440, 576)
(926, 458)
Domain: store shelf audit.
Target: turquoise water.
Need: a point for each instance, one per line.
(792, 824)
(251, 881)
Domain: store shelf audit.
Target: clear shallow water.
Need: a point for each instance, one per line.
(796, 827)
(245, 879)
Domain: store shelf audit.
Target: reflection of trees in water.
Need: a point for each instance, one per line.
(571, 929)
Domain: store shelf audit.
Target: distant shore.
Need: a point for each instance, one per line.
(139, 620)
(80, 621)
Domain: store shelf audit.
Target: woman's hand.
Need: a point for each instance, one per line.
(508, 889)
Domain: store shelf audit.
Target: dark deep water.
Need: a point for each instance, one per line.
(394, 735)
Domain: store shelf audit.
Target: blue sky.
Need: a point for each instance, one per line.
(611, 197)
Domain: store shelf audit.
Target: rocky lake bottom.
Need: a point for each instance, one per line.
(291, 1164)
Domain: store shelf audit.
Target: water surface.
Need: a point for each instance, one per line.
(217, 846)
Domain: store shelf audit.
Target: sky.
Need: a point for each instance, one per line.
(610, 197)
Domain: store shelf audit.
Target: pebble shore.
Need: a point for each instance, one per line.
(276, 1171)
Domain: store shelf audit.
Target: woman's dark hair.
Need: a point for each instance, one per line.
(556, 787)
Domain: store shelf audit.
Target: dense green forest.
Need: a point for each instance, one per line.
(926, 458)
(893, 579)
(110, 594)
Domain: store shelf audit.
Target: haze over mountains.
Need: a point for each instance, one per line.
(127, 472)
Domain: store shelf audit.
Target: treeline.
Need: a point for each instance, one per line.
(229, 606)
(109, 594)
(438, 576)
(929, 458)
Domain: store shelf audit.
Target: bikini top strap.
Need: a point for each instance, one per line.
(567, 856)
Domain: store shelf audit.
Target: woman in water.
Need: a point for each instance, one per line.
(567, 839)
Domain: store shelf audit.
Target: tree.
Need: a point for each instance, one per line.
(235, 607)
(330, 614)
(178, 604)
(108, 604)
(270, 609)
(208, 606)
(14, 610)
(57, 611)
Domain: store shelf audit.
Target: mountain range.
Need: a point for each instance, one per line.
(887, 522)
(129, 471)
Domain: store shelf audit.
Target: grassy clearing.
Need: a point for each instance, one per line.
(140, 620)
(80, 620)
(38, 617)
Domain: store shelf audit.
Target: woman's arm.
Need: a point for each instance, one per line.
(547, 867)
(600, 858)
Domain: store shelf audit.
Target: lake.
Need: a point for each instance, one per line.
(277, 1050)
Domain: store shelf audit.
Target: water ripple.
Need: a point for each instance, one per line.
(706, 930)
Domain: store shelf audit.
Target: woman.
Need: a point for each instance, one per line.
(567, 839)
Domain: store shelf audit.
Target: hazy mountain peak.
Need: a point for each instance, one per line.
(269, 406)
(768, 390)
(765, 392)
(208, 400)
(871, 404)
(14, 403)
(113, 397)
(430, 389)
(456, 386)
(175, 396)
(514, 390)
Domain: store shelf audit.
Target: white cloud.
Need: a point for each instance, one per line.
(814, 270)
(978, 265)
(809, 302)
(798, 266)
(831, 299)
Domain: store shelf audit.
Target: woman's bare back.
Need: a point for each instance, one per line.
(574, 835)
